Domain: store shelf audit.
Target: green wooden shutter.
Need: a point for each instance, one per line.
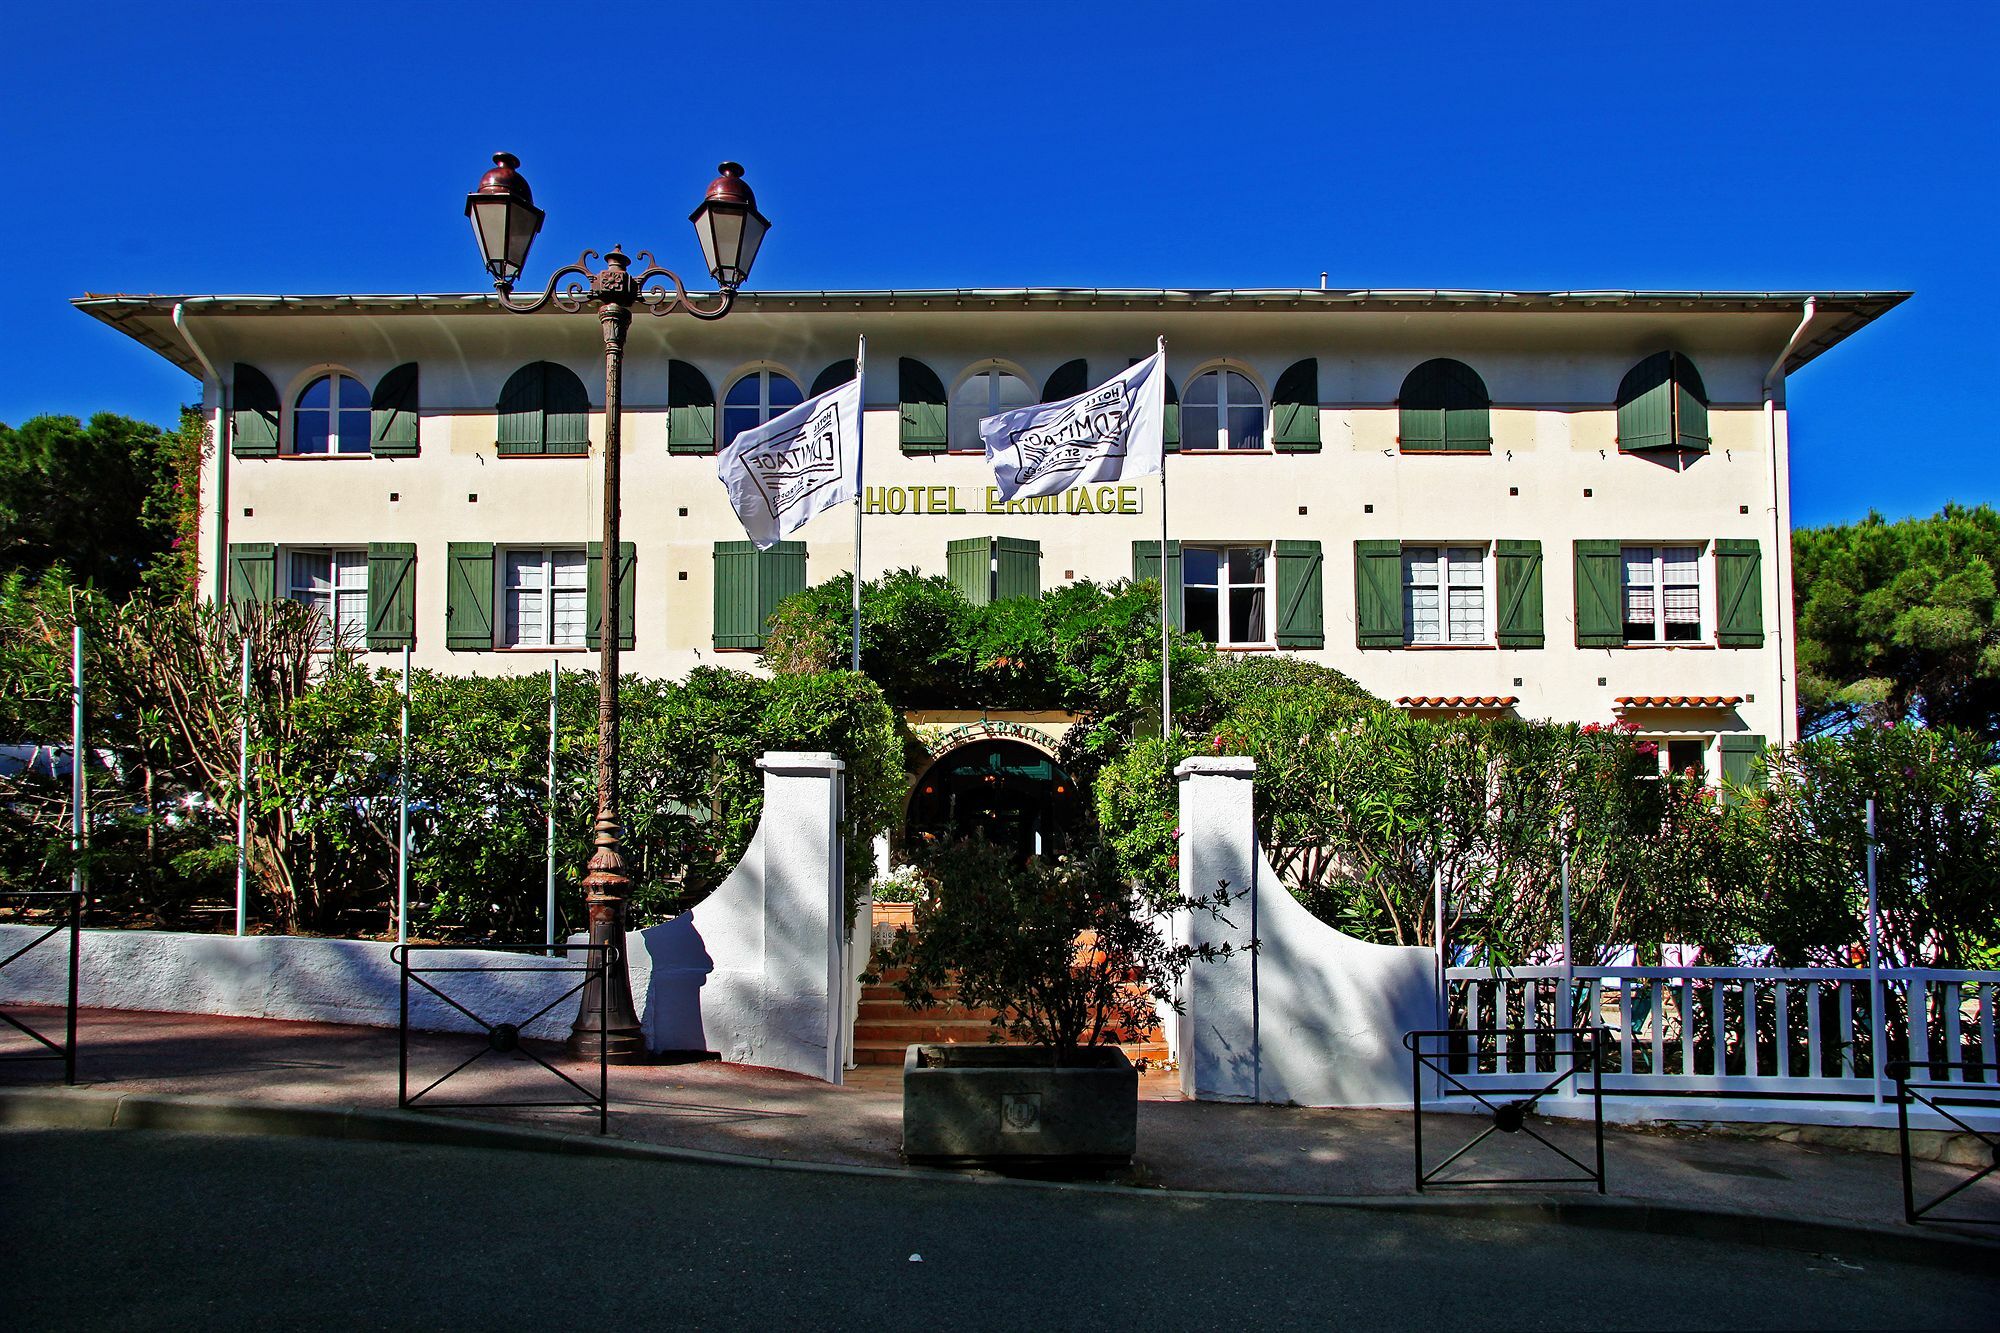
(1295, 408)
(521, 429)
(1173, 418)
(253, 574)
(468, 597)
(690, 410)
(1017, 564)
(1600, 595)
(1468, 412)
(628, 594)
(1443, 406)
(253, 424)
(1066, 381)
(1518, 578)
(566, 406)
(392, 596)
(1378, 594)
(1740, 753)
(1690, 407)
(781, 572)
(393, 429)
(1146, 565)
(1646, 405)
(1301, 599)
(737, 624)
(1739, 581)
(920, 395)
(835, 375)
(968, 563)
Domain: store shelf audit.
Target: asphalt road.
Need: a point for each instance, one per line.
(153, 1230)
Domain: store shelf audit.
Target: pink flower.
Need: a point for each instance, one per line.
(1177, 834)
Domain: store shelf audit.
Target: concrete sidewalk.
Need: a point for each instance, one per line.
(760, 1113)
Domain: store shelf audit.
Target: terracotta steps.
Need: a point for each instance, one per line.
(886, 1027)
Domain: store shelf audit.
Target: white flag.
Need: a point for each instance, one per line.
(783, 472)
(1111, 433)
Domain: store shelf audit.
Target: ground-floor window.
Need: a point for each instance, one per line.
(546, 593)
(1226, 594)
(1680, 754)
(333, 582)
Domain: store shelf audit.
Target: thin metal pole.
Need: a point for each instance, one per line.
(1565, 1003)
(78, 789)
(555, 670)
(860, 493)
(403, 816)
(1876, 1028)
(1443, 982)
(243, 798)
(1166, 649)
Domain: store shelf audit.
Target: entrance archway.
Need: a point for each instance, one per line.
(1011, 792)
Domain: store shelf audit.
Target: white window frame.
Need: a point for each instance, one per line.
(341, 560)
(1488, 612)
(993, 406)
(335, 375)
(763, 406)
(1223, 587)
(1704, 594)
(1219, 445)
(508, 618)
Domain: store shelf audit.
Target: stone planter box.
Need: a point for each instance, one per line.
(965, 1104)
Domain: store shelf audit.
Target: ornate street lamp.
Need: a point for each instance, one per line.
(504, 221)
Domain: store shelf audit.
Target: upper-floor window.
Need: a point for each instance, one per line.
(1662, 593)
(1443, 408)
(333, 582)
(1444, 594)
(544, 409)
(984, 393)
(1222, 410)
(331, 416)
(1225, 594)
(755, 399)
(1663, 405)
(546, 594)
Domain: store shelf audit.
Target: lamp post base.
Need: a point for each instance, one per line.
(607, 1019)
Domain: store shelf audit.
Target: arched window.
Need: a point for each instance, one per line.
(1222, 410)
(1662, 405)
(332, 416)
(984, 393)
(1444, 408)
(544, 410)
(755, 399)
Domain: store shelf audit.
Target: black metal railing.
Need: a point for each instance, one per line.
(1940, 1093)
(67, 909)
(1508, 1108)
(504, 1038)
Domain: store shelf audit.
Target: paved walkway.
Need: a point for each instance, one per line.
(765, 1113)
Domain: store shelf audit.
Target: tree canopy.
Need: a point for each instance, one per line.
(1896, 622)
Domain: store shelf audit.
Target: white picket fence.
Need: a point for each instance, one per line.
(1719, 1032)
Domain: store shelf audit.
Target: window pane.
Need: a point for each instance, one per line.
(1468, 565)
(312, 571)
(1198, 605)
(352, 395)
(1246, 614)
(318, 394)
(744, 392)
(1199, 565)
(1242, 393)
(1201, 426)
(1010, 391)
(569, 616)
(571, 569)
(351, 617)
(524, 569)
(354, 431)
(1422, 621)
(736, 420)
(1684, 757)
(1246, 564)
(311, 431)
(1204, 391)
(351, 569)
(1468, 612)
(784, 394)
(1246, 428)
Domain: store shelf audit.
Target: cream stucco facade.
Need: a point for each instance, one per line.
(1552, 364)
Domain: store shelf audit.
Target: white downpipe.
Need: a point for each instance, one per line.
(1781, 526)
(222, 447)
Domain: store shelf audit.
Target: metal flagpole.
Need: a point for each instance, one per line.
(860, 495)
(79, 792)
(1166, 668)
(1876, 1028)
(403, 816)
(243, 798)
(555, 669)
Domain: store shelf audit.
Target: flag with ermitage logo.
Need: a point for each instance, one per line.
(795, 465)
(1114, 432)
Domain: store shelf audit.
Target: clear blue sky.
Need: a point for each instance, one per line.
(328, 148)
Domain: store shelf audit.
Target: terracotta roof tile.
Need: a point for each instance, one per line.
(1678, 700)
(1461, 701)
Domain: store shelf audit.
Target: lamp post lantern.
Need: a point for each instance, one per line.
(504, 222)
